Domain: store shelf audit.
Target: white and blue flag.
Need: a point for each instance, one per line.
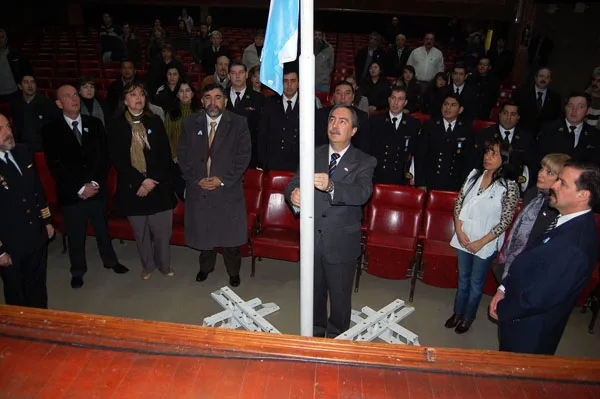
(281, 42)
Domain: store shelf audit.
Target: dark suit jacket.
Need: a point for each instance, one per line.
(468, 96)
(338, 220)
(23, 208)
(395, 64)
(556, 137)
(215, 218)
(250, 107)
(279, 136)
(545, 216)
(392, 148)
(209, 58)
(129, 180)
(543, 285)
(487, 89)
(531, 120)
(361, 58)
(443, 161)
(73, 165)
(360, 140)
(522, 148)
(29, 119)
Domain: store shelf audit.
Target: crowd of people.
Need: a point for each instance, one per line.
(169, 142)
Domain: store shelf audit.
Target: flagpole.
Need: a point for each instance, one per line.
(307, 165)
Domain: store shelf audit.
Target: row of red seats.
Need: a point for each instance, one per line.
(406, 232)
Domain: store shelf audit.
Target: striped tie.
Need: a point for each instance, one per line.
(551, 226)
(333, 163)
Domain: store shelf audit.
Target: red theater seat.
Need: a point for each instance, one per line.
(421, 117)
(278, 234)
(253, 191)
(394, 220)
(178, 237)
(478, 125)
(439, 263)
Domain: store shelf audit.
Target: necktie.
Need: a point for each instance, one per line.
(551, 226)
(10, 163)
(288, 110)
(573, 128)
(540, 100)
(237, 99)
(333, 163)
(457, 92)
(76, 131)
(506, 136)
(211, 137)
(449, 130)
(394, 120)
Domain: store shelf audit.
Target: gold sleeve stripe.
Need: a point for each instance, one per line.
(45, 213)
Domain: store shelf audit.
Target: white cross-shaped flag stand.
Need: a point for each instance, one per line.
(239, 313)
(382, 324)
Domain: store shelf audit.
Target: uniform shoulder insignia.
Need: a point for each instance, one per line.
(460, 123)
(403, 122)
(561, 129)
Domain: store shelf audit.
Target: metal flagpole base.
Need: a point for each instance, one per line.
(382, 324)
(241, 314)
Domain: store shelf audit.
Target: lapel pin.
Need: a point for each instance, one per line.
(149, 131)
(346, 169)
(199, 132)
(41, 116)
(85, 129)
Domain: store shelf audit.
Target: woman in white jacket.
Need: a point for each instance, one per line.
(483, 211)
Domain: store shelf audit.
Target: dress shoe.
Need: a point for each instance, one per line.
(118, 268)
(146, 275)
(76, 282)
(201, 276)
(452, 321)
(234, 281)
(462, 327)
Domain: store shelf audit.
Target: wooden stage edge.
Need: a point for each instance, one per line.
(152, 337)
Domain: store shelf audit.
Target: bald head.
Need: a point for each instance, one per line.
(67, 99)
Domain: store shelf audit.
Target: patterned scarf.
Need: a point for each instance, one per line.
(519, 235)
(139, 141)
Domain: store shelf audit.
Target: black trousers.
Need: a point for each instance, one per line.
(336, 280)
(76, 217)
(231, 255)
(25, 280)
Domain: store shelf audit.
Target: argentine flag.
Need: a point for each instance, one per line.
(281, 42)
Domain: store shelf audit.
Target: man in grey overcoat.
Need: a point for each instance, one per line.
(214, 151)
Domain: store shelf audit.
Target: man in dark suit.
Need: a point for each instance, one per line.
(397, 56)
(214, 152)
(31, 112)
(545, 280)
(77, 156)
(279, 131)
(367, 55)
(520, 140)
(444, 149)
(214, 51)
(342, 188)
(487, 88)
(343, 95)
(26, 225)
(460, 89)
(572, 135)
(114, 92)
(538, 104)
(394, 141)
(245, 102)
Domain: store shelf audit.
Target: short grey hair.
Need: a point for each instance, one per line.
(216, 33)
(351, 109)
(401, 36)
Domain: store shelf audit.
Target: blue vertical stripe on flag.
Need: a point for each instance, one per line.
(281, 42)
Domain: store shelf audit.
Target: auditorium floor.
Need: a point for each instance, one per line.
(181, 299)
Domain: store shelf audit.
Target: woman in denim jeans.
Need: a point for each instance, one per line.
(483, 211)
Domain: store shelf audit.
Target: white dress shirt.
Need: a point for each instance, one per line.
(578, 129)
(562, 219)
(233, 95)
(543, 91)
(10, 159)
(399, 117)
(293, 100)
(451, 124)
(80, 129)
(511, 133)
(209, 120)
(459, 88)
(426, 64)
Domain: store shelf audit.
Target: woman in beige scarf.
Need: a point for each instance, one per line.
(140, 152)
